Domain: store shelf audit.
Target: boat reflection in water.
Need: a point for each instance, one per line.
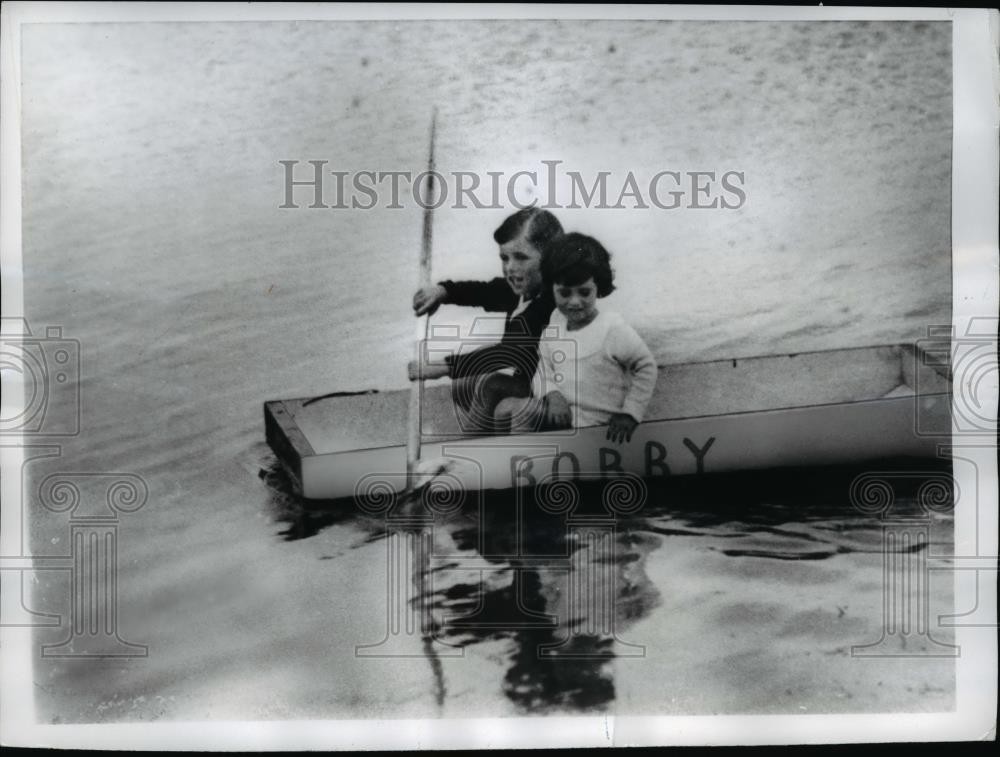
(564, 582)
(572, 597)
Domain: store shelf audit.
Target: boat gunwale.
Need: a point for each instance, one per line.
(439, 439)
(302, 450)
(339, 394)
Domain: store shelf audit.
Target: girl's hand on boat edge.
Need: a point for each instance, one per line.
(427, 299)
(556, 411)
(417, 370)
(620, 427)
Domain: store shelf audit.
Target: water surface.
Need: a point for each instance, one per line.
(152, 234)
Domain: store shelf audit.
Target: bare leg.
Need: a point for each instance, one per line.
(463, 393)
(477, 397)
(497, 387)
(519, 415)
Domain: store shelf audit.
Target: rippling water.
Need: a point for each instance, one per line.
(152, 235)
(670, 610)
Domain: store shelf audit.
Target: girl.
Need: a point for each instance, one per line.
(486, 376)
(611, 377)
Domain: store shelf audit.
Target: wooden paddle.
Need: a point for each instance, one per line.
(423, 324)
(421, 555)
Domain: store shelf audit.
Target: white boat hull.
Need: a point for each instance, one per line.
(834, 407)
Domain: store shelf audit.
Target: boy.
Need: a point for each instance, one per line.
(486, 376)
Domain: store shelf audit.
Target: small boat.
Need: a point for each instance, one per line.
(804, 409)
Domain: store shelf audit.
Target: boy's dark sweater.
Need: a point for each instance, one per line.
(518, 348)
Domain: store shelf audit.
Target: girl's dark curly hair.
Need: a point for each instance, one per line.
(574, 258)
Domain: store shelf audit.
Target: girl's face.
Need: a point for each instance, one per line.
(522, 266)
(577, 303)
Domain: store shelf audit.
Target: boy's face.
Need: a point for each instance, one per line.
(577, 303)
(522, 266)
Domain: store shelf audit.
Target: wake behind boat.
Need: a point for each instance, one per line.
(810, 408)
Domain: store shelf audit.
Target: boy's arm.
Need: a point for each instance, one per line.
(519, 346)
(493, 296)
(529, 324)
(634, 356)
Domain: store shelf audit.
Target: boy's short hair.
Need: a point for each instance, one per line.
(539, 226)
(574, 258)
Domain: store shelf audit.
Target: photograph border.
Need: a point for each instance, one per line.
(975, 202)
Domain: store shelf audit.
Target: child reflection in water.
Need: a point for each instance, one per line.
(566, 622)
